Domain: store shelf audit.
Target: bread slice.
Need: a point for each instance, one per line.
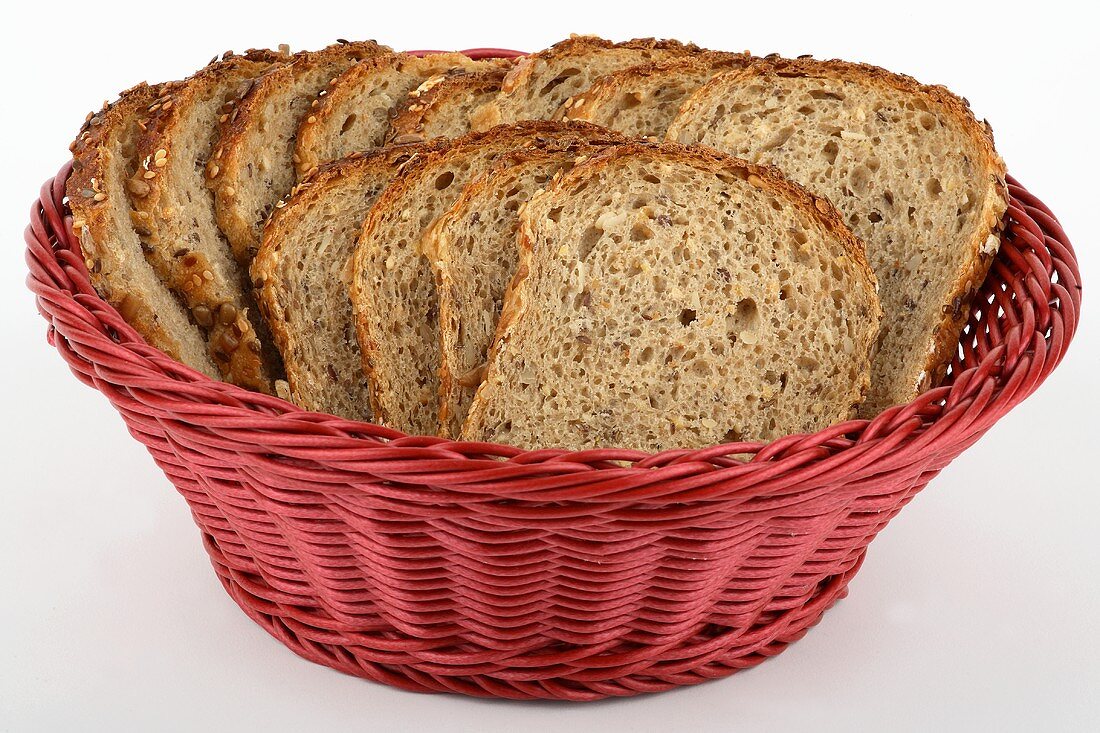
(441, 106)
(353, 113)
(472, 248)
(253, 162)
(103, 159)
(673, 297)
(539, 84)
(642, 100)
(174, 213)
(915, 176)
(300, 276)
(393, 289)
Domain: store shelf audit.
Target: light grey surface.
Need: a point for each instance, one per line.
(977, 609)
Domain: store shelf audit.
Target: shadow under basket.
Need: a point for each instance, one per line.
(485, 570)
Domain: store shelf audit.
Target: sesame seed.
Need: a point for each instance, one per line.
(160, 162)
(99, 197)
(149, 174)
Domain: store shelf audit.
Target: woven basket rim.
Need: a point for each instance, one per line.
(1053, 287)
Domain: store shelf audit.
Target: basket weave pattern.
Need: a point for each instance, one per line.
(437, 566)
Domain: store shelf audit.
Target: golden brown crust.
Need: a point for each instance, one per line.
(235, 343)
(413, 117)
(970, 276)
(607, 88)
(271, 294)
(335, 98)
(578, 46)
(529, 133)
(229, 161)
(765, 177)
(511, 104)
(91, 214)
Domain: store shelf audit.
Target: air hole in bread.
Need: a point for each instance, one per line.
(830, 150)
(687, 317)
(640, 232)
(558, 80)
(588, 240)
(807, 363)
(444, 180)
(826, 94)
(630, 100)
(932, 185)
(349, 121)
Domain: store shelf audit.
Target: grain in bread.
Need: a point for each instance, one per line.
(473, 251)
(252, 167)
(354, 112)
(300, 277)
(441, 106)
(104, 157)
(540, 84)
(392, 285)
(174, 213)
(643, 100)
(673, 297)
(915, 176)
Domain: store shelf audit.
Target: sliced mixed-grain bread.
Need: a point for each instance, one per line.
(673, 297)
(441, 106)
(392, 285)
(540, 84)
(103, 159)
(174, 215)
(642, 100)
(253, 162)
(355, 110)
(915, 176)
(300, 278)
(473, 251)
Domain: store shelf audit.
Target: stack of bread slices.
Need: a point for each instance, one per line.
(645, 244)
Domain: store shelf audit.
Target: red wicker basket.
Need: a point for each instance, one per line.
(484, 570)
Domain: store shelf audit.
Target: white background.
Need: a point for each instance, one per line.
(977, 609)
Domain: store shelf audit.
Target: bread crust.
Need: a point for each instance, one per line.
(605, 89)
(532, 133)
(335, 100)
(232, 155)
(252, 363)
(91, 221)
(576, 47)
(985, 242)
(289, 214)
(767, 178)
(412, 118)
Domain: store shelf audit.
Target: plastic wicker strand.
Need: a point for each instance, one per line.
(485, 570)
